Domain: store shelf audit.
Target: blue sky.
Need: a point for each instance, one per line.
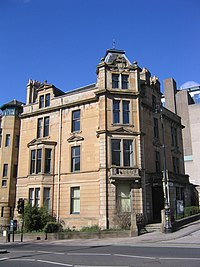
(62, 41)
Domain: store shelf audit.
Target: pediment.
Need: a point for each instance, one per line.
(75, 138)
(39, 141)
(120, 63)
(123, 130)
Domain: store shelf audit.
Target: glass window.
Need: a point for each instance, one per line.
(4, 183)
(46, 198)
(37, 197)
(7, 140)
(39, 129)
(124, 78)
(126, 111)
(5, 170)
(2, 212)
(46, 126)
(39, 161)
(33, 158)
(128, 152)
(47, 100)
(115, 80)
(0, 139)
(116, 152)
(75, 159)
(76, 120)
(15, 171)
(47, 167)
(31, 196)
(123, 198)
(75, 199)
(156, 132)
(157, 161)
(41, 101)
(17, 141)
(154, 102)
(116, 111)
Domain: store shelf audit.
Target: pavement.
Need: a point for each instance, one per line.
(187, 235)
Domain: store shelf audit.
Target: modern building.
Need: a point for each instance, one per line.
(9, 148)
(186, 103)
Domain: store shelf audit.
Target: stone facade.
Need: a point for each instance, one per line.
(9, 148)
(187, 106)
(96, 153)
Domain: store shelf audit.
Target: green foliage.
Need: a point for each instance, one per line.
(188, 211)
(53, 227)
(36, 218)
(93, 228)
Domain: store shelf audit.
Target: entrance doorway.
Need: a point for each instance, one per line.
(158, 202)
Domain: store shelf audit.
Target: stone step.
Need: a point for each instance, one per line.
(153, 227)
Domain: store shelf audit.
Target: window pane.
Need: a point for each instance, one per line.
(41, 104)
(156, 133)
(47, 168)
(32, 167)
(157, 161)
(115, 80)
(31, 196)
(75, 159)
(46, 200)
(7, 140)
(116, 111)
(37, 197)
(39, 161)
(4, 183)
(126, 111)
(116, 152)
(5, 170)
(76, 121)
(124, 198)
(47, 100)
(17, 141)
(124, 81)
(128, 152)
(75, 200)
(46, 126)
(39, 129)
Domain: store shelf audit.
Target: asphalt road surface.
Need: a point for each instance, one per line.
(135, 255)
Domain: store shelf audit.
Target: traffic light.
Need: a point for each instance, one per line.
(20, 206)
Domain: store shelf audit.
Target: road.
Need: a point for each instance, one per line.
(60, 253)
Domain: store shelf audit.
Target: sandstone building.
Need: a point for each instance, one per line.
(97, 152)
(9, 148)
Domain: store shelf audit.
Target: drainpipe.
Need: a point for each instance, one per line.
(59, 164)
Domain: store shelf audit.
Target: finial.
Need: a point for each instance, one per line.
(114, 44)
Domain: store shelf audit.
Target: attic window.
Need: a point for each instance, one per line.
(44, 101)
(120, 81)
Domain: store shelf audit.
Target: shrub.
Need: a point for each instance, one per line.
(53, 227)
(188, 211)
(36, 218)
(93, 228)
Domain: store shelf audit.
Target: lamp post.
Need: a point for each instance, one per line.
(167, 221)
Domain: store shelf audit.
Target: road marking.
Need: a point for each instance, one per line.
(3, 259)
(88, 254)
(132, 256)
(56, 263)
(22, 259)
(189, 259)
(50, 252)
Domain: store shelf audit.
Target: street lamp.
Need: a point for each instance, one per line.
(165, 180)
